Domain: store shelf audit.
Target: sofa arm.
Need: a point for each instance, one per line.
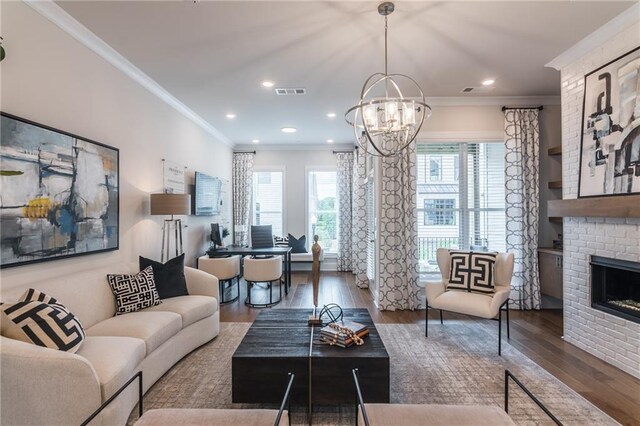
(45, 386)
(201, 283)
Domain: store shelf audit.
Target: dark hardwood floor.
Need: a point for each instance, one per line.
(537, 334)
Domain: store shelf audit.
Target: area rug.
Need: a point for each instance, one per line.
(457, 364)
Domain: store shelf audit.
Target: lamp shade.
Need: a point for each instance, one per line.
(166, 204)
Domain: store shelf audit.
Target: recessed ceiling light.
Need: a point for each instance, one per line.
(256, 141)
(329, 140)
(268, 83)
(289, 130)
(230, 116)
(331, 115)
(488, 82)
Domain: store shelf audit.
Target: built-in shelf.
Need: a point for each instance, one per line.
(556, 150)
(612, 206)
(555, 184)
(555, 220)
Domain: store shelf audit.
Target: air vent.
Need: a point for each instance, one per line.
(479, 89)
(290, 91)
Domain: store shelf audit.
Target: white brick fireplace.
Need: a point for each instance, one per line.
(608, 337)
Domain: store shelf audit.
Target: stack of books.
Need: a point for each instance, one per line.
(336, 337)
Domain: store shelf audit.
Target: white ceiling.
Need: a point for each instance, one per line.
(213, 55)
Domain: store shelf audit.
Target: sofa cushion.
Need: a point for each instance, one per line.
(114, 358)
(435, 415)
(190, 308)
(211, 417)
(134, 292)
(168, 277)
(154, 328)
(475, 304)
(40, 319)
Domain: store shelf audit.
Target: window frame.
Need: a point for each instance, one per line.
(307, 222)
(271, 169)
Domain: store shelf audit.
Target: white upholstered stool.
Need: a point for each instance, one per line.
(226, 269)
(266, 270)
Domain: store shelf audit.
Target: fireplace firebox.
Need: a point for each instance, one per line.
(615, 287)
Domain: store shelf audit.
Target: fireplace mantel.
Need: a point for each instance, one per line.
(612, 206)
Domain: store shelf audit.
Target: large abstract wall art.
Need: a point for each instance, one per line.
(610, 149)
(58, 194)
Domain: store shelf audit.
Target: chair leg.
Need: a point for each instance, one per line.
(221, 291)
(270, 292)
(426, 323)
(500, 332)
(249, 292)
(441, 322)
(507, 305)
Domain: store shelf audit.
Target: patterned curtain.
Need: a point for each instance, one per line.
(522, 205)
(345, 188)
(398, 233)
(359, 221)
(242, 171)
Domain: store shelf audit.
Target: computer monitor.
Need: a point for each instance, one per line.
(216, 238)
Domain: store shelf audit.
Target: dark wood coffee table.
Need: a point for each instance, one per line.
(280, 341)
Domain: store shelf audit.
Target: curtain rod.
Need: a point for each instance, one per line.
(539, 108)
(244, 152)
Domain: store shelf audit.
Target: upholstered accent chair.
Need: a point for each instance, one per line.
(263, 270)
(483, 305)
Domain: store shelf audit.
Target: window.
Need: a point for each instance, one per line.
(268, 205)
(439, 212)
(323, 209)
(465, 208)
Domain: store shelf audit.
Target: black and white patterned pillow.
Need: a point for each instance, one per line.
(472, 271)
(40, 319)
(281, 241)
(134, 292)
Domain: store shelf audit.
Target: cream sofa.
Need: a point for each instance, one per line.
(45, 386)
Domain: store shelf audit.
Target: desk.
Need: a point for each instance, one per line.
(271, 251)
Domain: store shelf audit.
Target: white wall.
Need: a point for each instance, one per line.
(51, 78)
(610, 338)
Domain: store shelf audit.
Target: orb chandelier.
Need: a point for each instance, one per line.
(385, 121)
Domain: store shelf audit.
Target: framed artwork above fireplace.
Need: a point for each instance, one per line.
(610, 145)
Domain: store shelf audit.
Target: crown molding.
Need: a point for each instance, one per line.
(296, 147)
(493, 100)
(66, 22)
(597, 38)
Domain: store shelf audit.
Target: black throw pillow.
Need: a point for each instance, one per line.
(298, 245)
(169, 277)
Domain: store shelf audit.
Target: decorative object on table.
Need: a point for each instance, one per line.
(2, 52)
(207, 195)
(173, 177)
(134, 292)
(42, 320)
(390, 119)
(59, 193)
(168, 277)
(314, 318)
(344, 334)
(171, 204)
(261, 236)
(330, 313)
(610, 146)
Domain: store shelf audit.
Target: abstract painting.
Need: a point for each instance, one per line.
(610, 148)
(58, 194)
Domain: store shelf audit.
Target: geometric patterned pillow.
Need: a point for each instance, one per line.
(280, 241)
(472, 271)
(134, 292)
(40, 319)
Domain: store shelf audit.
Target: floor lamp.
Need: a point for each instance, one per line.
(171, 204)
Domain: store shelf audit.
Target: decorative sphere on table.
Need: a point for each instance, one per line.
(332, 312)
